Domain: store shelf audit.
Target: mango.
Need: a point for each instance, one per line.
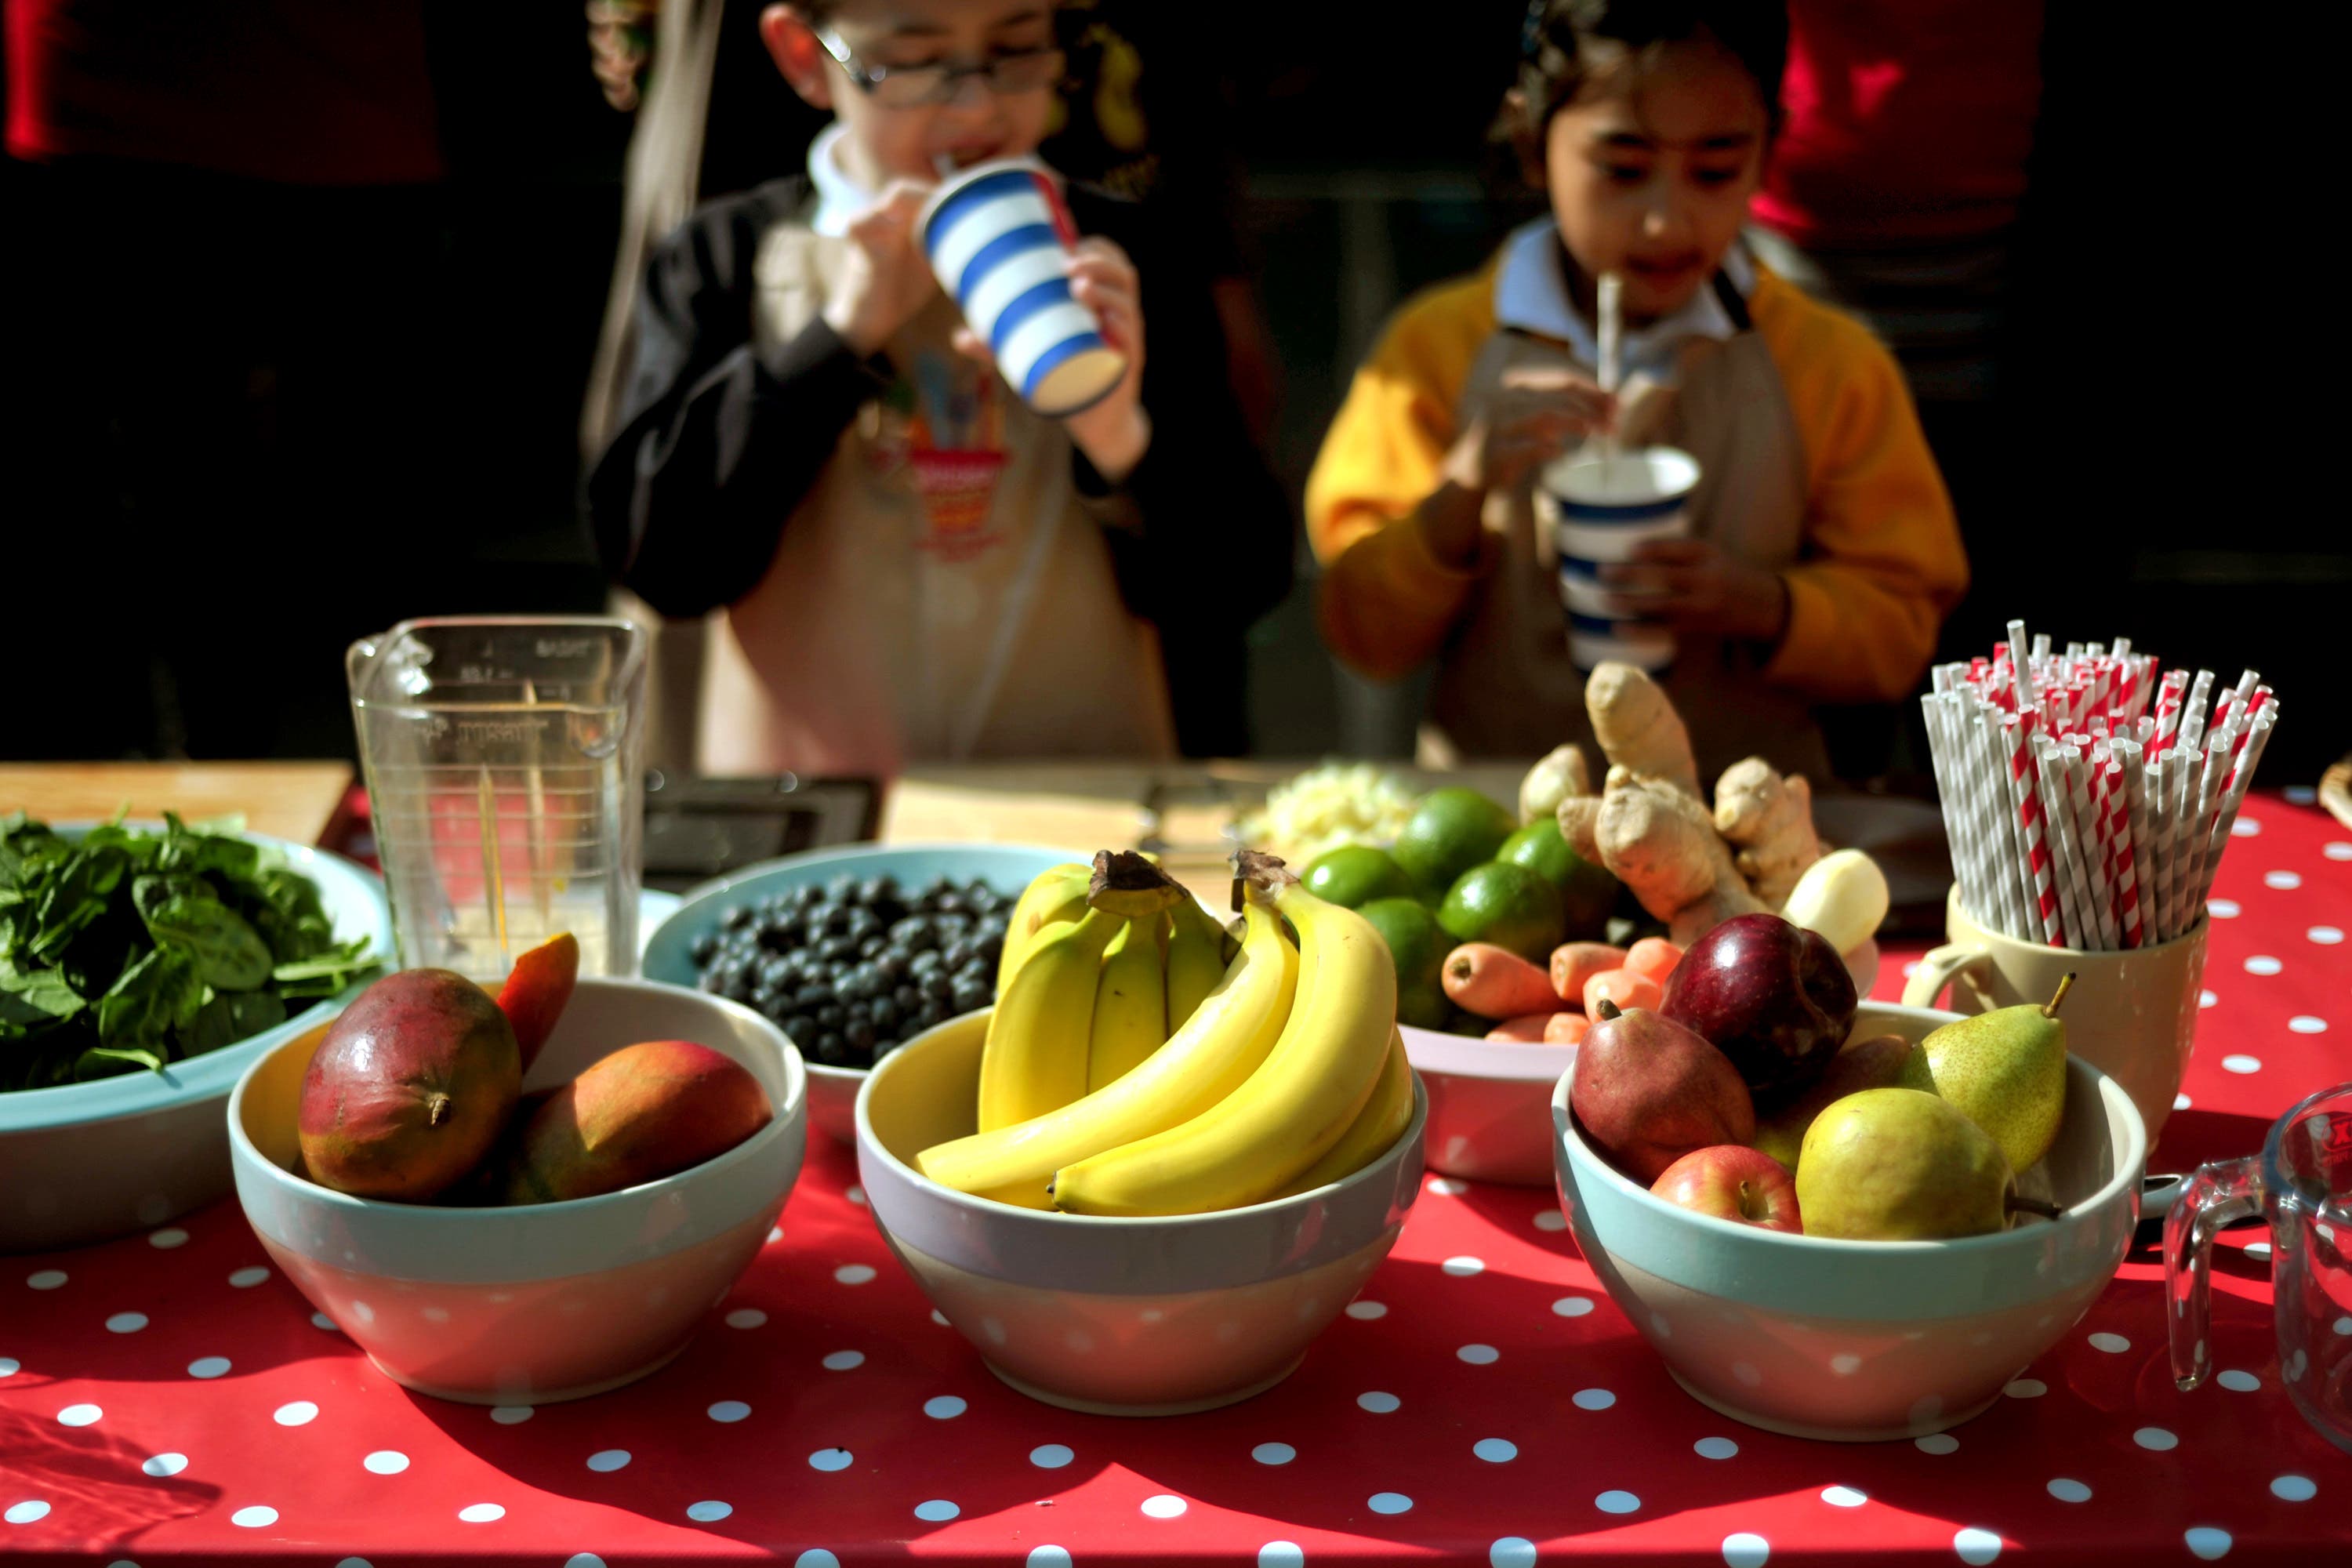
(644, 1112)
(536, 991)
(409, 1089)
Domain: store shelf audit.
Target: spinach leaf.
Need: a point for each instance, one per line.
(183, 912)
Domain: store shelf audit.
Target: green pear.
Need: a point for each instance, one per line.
(1875, 1063)
(2006, 1071)
(1899, 1164)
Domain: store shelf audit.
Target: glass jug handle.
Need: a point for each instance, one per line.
(2216, 1195)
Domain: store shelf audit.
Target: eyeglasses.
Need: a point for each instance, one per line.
(918, 87)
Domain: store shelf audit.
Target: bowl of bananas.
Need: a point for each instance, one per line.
(1153, 1213)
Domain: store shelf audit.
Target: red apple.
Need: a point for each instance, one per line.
(1773, 997)
(1733, 1182)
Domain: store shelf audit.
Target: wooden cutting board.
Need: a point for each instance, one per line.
(289, 800)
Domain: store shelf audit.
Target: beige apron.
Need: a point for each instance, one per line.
(941, 593)
(1508, 687)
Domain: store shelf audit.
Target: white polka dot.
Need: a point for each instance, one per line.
(1617, 1502)
(1164, 1506)
(2113, 1344)
(842, 1360)
(1572, 1306)
(2259, 1251)
(247, 1278)
(2222, 909)
(2263, 964)
(164, 1464)
(208, 1366)
(1715, 1448)
(937, 1510)
(2156, 1439)
(512, 1414)
(1937, 1443)
(2238, 1382)
(1844, 1497)
(728, 1410)
(854, 1273)
(746, 1318)
(481, 1513)
(603, 1461)
(79, 1415)
(573, 1562)
(321, 1320)
(1478, 1355)
(855, 1194)
(1447, 1186)
(169, 1237)
(1274, 1453)
(10, 1366)
(1845, 1364)
(1550, 1219)
(45, 1279)
(2245, 827)
(590, 1560)
(301, 1413)
(2326, 936)
(1389, 1502)
(2242, 1063)
(2339, 850)
(1047, 1557)
(2304, 1024)
(2300, 795)
(2283, 880)
(1366, 1312)
(1281, 1555)
(940, 1319)
(2181, 1103)
(2067, 1489)
(258, 1517)
(28, 1512)
(1594, 1399)
(2342, 1326)
(2208, 999)
(1051, 1456)
(774, 1236)
(385, 1462)
(1746, 1550)
(1495, 1450)
(711, 1512)
(830, 1459)
(945, 1408)
(2207, 1543)
(2293, 1488)
(1377, 1403)
(1463, 1267)
(1976, 1547)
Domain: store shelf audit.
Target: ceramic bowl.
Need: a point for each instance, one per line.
(545, 1301)
(86, 1161)
(1490, 1100)
(1117, 1317)
(1862, 1341)
(832, 1090)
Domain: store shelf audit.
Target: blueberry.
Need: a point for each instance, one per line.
(812, 995)
(804, 895)
(923, 962)
(933, 1015)
(909, 1000)
(703, 947)
(840, 886)
(949, 903)
(836, 949)
(798, 1025)
(830, 1049)
(970, 995)
(939, 985)
(883, 1013)
(858, 1034)
(873, 947)
(734, 917)
(880, 890)
(914, 932)
(950, 927)
(988, 947)
(714, 980)
(890, 966)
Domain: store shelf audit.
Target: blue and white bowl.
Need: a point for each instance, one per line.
(1598, 510)
(998, 237)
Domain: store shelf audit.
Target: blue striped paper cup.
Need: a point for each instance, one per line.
(1597, 510)
(998, 237)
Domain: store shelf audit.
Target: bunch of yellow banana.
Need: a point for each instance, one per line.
(1120, 1079)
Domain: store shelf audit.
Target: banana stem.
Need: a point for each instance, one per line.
(1255, 871)
(2065, 983)
(1126, 884)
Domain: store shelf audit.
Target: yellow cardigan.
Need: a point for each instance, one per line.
(1884, 563)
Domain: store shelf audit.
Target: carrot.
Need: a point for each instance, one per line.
(1574, 963)
(1527, 1029)
(1496, 983)
(1623, 986)
(1566, 1028)
(1654, 956)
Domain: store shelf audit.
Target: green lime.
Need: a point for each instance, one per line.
(1418, 948)
(1425, 1007)
(1587, 893)
(1505, 904)
(1450, 830)
(1356, 874)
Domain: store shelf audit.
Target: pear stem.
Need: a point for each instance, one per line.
(1606, 1009)
(2065, 983)
(2033, 1206)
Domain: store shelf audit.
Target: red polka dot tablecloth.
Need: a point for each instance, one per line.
(171, 1399)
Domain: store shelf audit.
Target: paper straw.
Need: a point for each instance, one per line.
(2025, 796)
(2093, 845)
(2066, 854)
(2192, 715)
(1989, 767)
(2205, 800)
(2120, 847)
(1960, 821)
(2242, 775)
(2133, 758)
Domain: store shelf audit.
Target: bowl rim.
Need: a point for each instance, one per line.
(214, 1074)
(245, 1153)
(702, 892)
(989, 1209)
(2126, 1174)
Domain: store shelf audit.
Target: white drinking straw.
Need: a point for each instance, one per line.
(1608, 296)
(1990, 767)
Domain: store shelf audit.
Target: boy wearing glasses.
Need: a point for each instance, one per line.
(913, 563)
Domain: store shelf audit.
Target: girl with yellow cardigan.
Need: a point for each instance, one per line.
(1823, 555)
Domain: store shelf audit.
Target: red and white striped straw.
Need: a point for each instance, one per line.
(2119, 845)
(2025, 793)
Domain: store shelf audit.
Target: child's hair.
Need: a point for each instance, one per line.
(1565, 44)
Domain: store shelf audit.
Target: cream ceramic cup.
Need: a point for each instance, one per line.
(2132, 1015)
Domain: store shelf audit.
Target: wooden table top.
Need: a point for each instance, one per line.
(293, 801)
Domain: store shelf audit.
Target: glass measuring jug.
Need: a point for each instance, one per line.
(2302, 1184)
(504, 759)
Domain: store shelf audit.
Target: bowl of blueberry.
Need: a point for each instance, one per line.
(851, 952)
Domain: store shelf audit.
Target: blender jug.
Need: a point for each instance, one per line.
(504, 763)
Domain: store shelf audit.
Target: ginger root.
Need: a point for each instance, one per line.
(1638, 728)
(1770, 820)
(1561, 774)
(1657, 839)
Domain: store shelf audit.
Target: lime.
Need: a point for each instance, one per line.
(1356, 874)
(1418, 948)
(1450, 830)
(1505, 904)
(1587, 893)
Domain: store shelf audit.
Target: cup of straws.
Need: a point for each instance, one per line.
(2088, 795)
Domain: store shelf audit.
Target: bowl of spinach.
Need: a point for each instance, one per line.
(143, 967)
